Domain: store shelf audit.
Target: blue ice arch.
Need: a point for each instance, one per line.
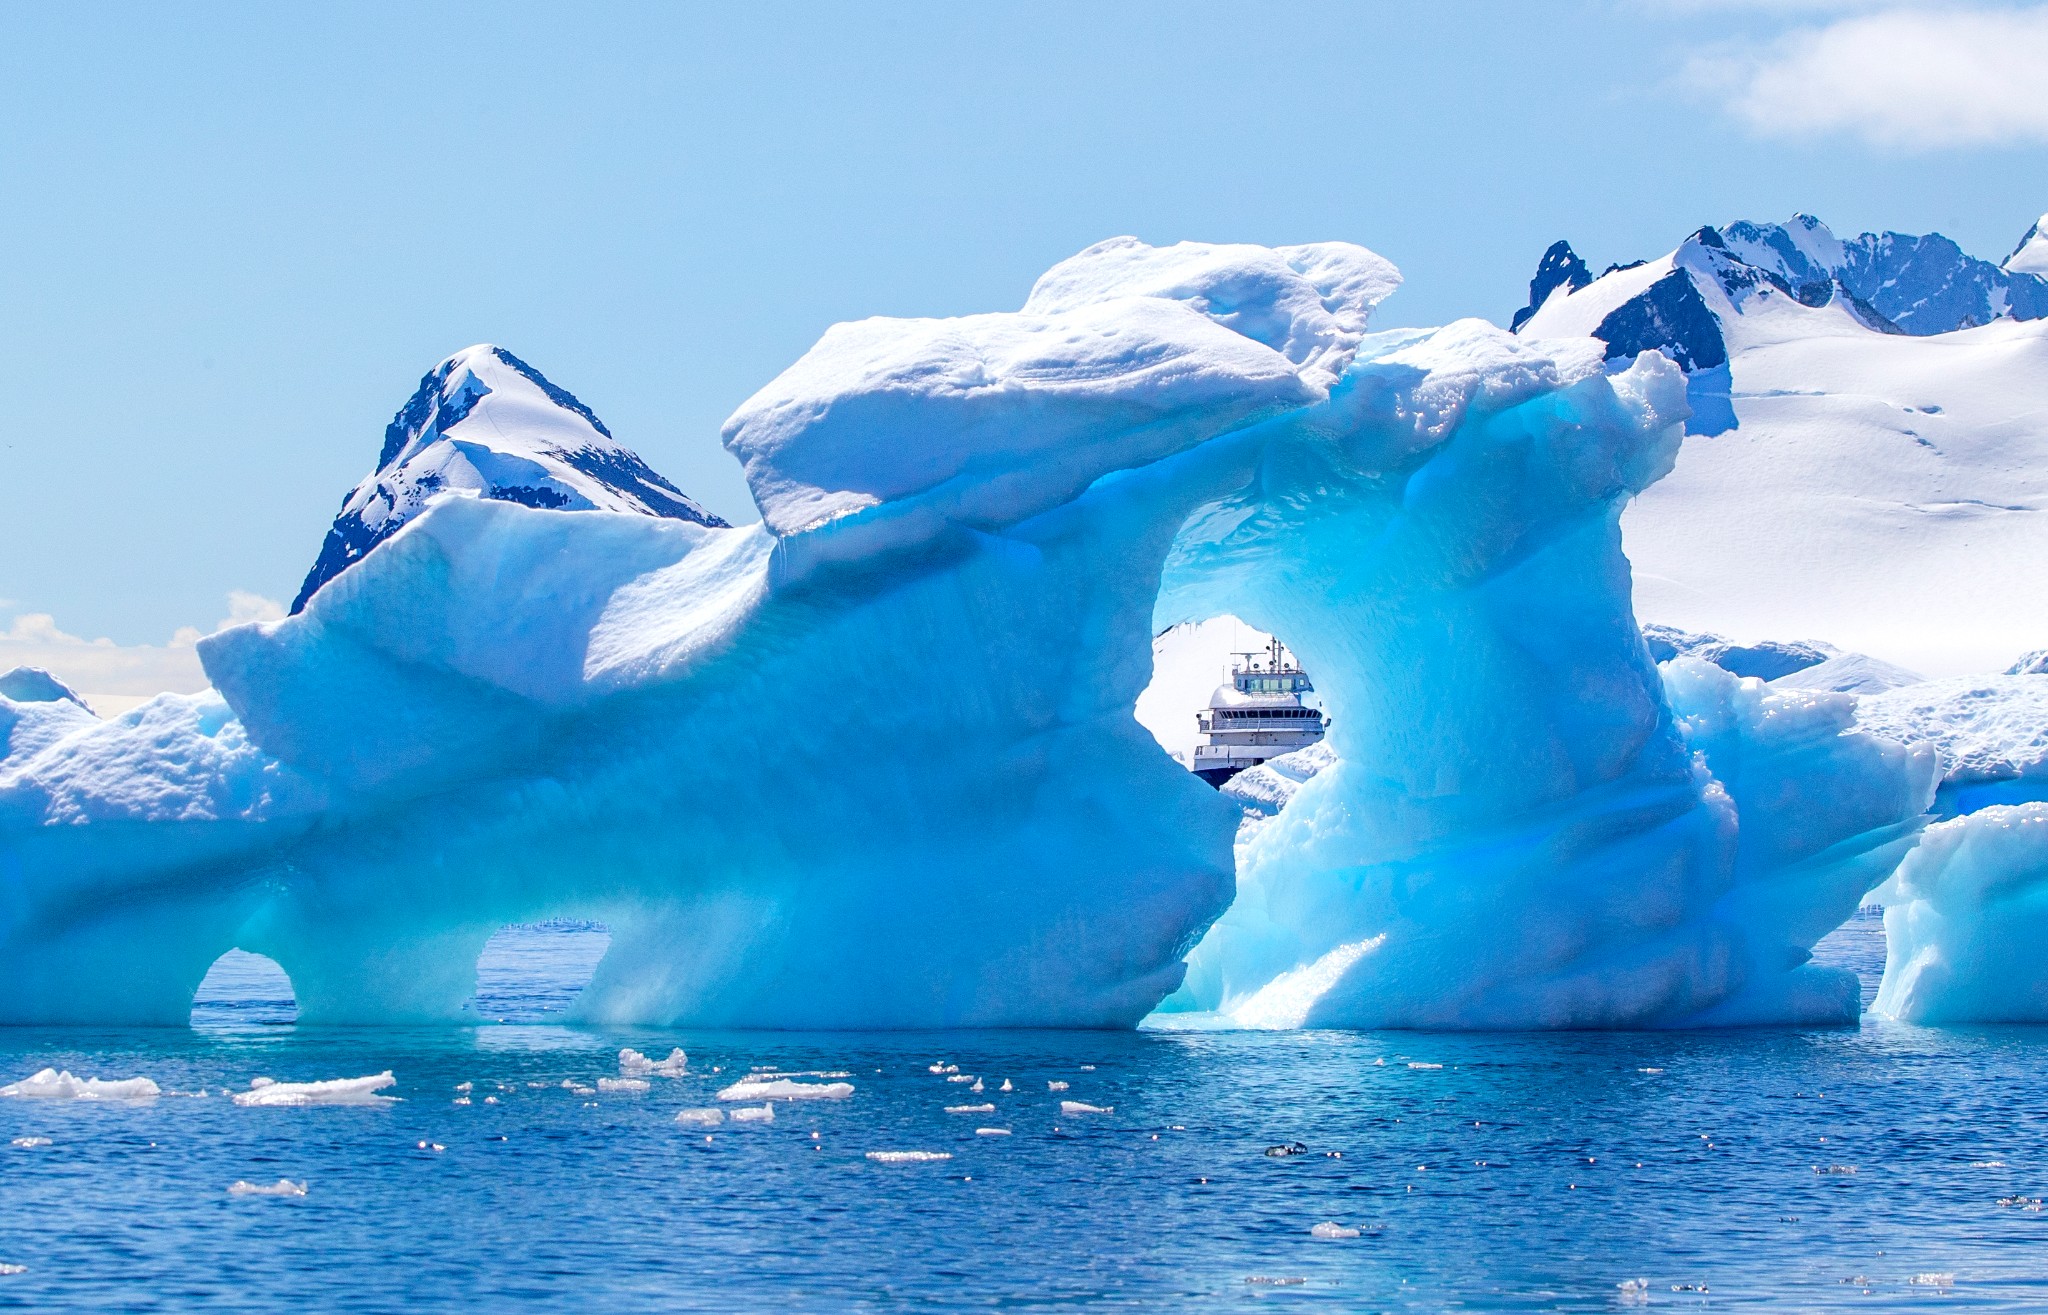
(872, 762)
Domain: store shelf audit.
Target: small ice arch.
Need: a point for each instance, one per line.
(244, 990)
(532, 972)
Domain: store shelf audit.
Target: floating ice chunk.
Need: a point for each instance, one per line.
(991, 1132)
(763, 1113)
(7, 1269)
(909, 1157)
(464, 1087)
(1963, 920)
(945, 1068)
(963, 1077)
(30, 1143)
(282, 1187)
(977, 1087)
(1278, 1281)
(635, 1064)
(1415, 1064)
(970, 1109)
(49, 1084)
(333, 1091)
(627, 1085)
(1332, 1232)
(1055, 1086)
(783, 1089)
(1006, 1086)
(1080, 1107)
(1932, 1280)
(700, 1118)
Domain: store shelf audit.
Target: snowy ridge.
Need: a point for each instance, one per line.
(1892, 282)
(486, 424)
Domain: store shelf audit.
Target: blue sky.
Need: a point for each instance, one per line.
(235, 237)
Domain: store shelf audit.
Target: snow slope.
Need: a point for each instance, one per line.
(1887, 492)
(1878, 488)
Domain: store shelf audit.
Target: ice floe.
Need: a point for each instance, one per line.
(754, 1114)
(51, 1084)
(909, 1157)
(783, 1089)
(333, 1091)
(623, 1085)
(971, 1109)
(282, 1187)
(634, 1064)
(700, 1118)
(1331, 1232)
(1082, 1107)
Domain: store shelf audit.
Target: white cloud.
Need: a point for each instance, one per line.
(1914, 78)
(114, 677)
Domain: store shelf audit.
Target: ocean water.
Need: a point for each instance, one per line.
(1874, 1168)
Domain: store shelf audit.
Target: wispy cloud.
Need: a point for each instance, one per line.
(1916, 78)
(113, 676)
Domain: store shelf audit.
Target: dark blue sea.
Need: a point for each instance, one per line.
(1873, 1168)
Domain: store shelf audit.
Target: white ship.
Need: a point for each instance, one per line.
(1258, 715)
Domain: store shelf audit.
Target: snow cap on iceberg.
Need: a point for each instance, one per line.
(486, 424)
(35, 685)
(1310, 303)
(1123, 355)
(37, 710)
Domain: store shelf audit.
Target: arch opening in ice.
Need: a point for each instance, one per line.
(242, 990)
(533, 972)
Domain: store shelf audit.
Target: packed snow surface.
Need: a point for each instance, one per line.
(873, 762)
(1885, 436)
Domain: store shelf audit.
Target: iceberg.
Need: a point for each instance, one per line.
(872, 763)
(1964, 920)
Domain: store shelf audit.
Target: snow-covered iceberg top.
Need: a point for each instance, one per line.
(1122, 355)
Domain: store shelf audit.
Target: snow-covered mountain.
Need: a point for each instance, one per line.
(1917, 284)
(1868, 458)
(2031, 255)
(486, 424)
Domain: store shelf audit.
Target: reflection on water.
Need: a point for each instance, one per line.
(1783, 1169)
